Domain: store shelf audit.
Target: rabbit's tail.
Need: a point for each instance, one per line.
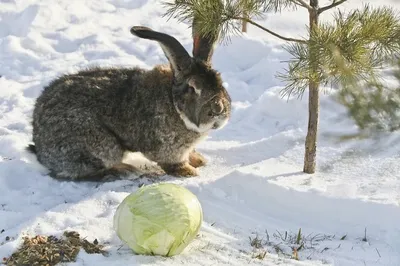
(31, 148)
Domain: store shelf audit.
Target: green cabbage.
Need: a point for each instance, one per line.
(160, 219)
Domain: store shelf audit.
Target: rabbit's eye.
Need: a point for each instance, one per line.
(190, 90)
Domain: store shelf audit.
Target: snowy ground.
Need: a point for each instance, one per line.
(253, 182)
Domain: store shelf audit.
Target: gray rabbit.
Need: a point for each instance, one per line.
(84, 123)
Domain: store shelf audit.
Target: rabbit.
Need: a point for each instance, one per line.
(84, 123)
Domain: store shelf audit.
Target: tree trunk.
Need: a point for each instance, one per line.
(244, 26)
(244, 23)
(310, 155)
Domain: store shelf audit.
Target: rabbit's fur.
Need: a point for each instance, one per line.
(84, 123)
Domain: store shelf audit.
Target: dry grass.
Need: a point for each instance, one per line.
(286, 244)
(50, 250)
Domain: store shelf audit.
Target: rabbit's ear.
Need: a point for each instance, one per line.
(203, 45)
(173, 49)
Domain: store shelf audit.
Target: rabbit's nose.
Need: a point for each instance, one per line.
(217, 107)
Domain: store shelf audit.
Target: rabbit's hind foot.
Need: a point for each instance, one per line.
(179, 169)
(117, 172)
(196, 159)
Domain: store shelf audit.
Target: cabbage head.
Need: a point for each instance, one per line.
(159, 219)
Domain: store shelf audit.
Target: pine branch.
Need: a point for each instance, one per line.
(334, 4)
(278, 5)
(270, 31)
(303, 4)
(222, 16)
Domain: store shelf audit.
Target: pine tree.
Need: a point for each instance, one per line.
(375, 106)
(347, 54)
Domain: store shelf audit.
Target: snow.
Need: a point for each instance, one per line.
(253, 183)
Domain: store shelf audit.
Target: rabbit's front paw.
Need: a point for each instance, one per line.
(180, 169)
(196, 159)
(152, 172)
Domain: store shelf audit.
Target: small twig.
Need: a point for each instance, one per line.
(324, 249)
(334, 4)
(303, 4)
(365, 235)
(278, 234)
(270, 31)
(309, 256)
(377, 251)
(266, 231)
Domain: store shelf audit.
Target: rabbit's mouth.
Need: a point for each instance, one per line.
(220, 123)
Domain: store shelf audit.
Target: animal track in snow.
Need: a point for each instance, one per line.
(128, 4)
(18, 24)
